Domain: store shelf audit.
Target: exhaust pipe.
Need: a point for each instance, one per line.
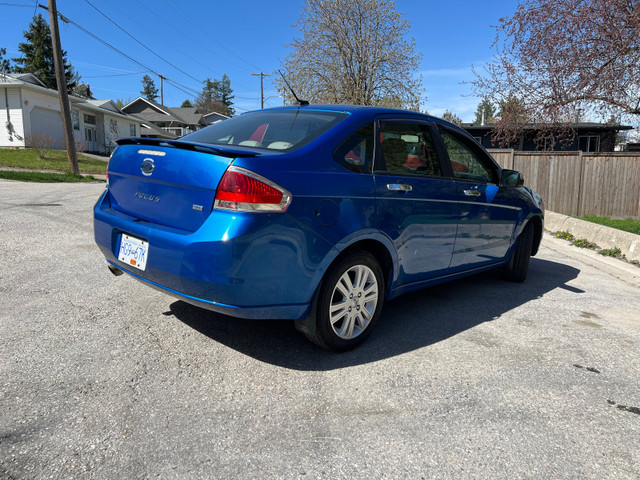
(115, 270)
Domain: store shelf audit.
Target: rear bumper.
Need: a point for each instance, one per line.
(292, 312)
(243, 265)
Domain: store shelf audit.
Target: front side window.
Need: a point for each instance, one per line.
(408, 149)
(467, 161)
(284, 130)
(356, 152)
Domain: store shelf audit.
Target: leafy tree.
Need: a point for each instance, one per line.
(5, 65)
(37, 56)
(485, 113)
(216, 96)
(149, 90)
(451, 117)
(186, 104)
(560, 57)
(354, 51)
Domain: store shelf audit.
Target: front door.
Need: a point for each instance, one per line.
(90, 138)
(487, 218)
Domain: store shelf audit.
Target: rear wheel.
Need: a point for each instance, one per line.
(518, 266)
(350, 302)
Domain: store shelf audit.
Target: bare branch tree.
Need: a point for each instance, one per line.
(559, 58)
(356, 52)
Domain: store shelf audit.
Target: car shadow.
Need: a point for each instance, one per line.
(409, 322)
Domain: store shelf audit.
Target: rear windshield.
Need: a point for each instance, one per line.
(274, 130)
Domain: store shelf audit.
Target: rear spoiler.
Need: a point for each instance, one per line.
(198, 147)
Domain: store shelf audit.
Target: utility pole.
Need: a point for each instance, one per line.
(262, 75)
(161, 89)
(63, 96)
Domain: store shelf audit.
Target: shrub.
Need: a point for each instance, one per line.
(612, 252)
(40, 142)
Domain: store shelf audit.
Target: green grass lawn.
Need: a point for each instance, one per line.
(55, 160)
(628, 225)
(44, 177)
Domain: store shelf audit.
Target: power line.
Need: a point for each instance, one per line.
(182, 51)
(107, 44)
(208, 33)
(113, 75)
(140, 43)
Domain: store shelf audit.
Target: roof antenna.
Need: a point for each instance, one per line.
(302, 103)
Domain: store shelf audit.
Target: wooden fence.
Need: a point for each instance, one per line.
(577, 183)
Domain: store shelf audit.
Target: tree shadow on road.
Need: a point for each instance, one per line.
(409, 322)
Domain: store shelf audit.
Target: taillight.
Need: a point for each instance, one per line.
(244, 191)
(108, 162)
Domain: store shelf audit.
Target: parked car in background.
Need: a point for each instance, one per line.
(315, 213)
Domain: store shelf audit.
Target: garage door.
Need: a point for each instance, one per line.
(47, 122)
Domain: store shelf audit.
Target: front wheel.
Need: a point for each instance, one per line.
(350, 302)
(518, 266)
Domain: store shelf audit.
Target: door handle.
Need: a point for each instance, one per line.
(399, 187)
(472, 193)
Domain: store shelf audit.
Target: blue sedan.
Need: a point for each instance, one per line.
(313, 213)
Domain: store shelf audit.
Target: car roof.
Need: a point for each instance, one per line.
(364, 110)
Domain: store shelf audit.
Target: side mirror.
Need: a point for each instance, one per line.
(511, 178)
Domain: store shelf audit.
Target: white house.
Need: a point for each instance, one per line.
(31, 112)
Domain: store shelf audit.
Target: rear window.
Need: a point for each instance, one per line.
(283, 130)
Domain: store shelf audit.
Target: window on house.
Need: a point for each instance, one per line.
(546, 144)
(132, 129)
(75, 119)
(113, 126)
(589, 143)
(90, 119)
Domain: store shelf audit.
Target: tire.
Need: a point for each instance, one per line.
(518, 266)
(350, 302)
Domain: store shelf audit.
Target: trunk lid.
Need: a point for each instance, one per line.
(170, 183)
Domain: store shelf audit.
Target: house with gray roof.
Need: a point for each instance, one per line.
(31, 113)
(169, 122)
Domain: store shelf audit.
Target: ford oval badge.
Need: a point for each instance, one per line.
(147, 166)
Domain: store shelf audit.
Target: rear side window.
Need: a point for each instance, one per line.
(284, 130)
(408, 149)
(356, 152)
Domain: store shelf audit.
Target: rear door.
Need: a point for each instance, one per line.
(487, 215)
(416, 204)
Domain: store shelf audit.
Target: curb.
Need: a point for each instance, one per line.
(604, 237)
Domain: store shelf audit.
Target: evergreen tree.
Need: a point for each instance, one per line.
(489, 111)
(226, 95)
(5, 65)
(37, 56)
(186, 104)
(216, 96)
(149, 90)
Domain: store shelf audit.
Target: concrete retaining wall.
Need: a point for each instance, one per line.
(604, 237)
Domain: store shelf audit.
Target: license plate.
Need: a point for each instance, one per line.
(133, 251)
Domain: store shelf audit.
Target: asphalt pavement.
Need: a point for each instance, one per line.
(102, 377)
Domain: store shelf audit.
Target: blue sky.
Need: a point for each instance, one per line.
(201, 39)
